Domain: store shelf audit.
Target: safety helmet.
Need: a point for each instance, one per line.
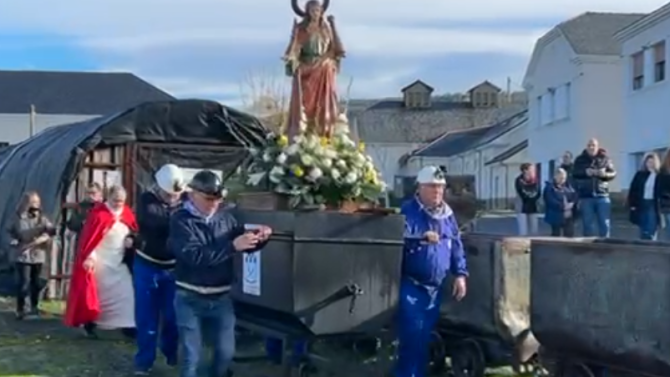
(431, 175)
(170, 178)
(208, 183)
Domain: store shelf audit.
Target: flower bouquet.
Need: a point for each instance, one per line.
(312, 171)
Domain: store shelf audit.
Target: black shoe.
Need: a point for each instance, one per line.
(20, 315)
(34, 314)
(89, 330)
(129, 333)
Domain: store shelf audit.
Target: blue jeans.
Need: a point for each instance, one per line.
(418, 312)
(154, 304)
(595, 211)
(210, 318)
(648, 220)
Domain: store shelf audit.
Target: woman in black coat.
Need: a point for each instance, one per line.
(643, 198)
(663, 194)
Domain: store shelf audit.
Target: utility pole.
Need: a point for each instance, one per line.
(509, 89)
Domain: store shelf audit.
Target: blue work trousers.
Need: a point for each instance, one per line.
(418, 312)
(648, 220)
(154, 305)
(595, 212)
(205, 319)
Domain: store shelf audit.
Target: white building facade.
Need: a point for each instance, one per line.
(645, 89)
(575, 91)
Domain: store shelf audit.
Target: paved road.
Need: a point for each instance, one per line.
(505, 223)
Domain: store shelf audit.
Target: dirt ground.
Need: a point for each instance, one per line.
(45, 348)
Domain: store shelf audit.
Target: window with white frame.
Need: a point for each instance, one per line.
(548, 113)
(637, 61)
(538, 107)
(568, 99)
(562, 102)
(659, 62)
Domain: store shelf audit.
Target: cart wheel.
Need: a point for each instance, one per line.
(366, 347)
(467, 359)
(438, 354)
(306, 370)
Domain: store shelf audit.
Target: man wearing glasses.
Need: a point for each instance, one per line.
(204, 237)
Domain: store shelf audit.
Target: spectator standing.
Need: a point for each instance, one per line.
(31, 234)
(643, 203)
(663, 193)
(592, 172)
(559, 205)
(528, 192)
(567, 164)
(77, 217)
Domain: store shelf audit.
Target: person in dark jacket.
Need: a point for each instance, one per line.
(567, 164)
(528, 193)
(152, 270)
(663, 193)
(593, 170)
(433, 250)
(643, 198)
(31, 234)
(204, 237)
(559, 205)
(75, 223)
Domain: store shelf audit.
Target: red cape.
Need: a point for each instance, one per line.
(83, 305)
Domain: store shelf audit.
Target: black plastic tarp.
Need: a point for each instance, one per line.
(49, 161)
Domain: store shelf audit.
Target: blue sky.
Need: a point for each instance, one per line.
(226, 49)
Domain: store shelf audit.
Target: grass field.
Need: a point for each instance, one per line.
(45, 348)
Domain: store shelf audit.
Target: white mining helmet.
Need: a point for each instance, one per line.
(431, 175)
(170, 179)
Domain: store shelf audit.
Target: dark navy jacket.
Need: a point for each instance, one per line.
(593, 187)
(555, 197)
(203, 248)
(153, 217)
(429, 264)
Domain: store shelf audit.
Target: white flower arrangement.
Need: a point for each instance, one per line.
(316, 171)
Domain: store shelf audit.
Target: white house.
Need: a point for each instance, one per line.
(645, 89)
(490, 155)
(65, 97)
(575, 89)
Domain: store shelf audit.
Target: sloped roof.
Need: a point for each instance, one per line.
(389, 121)
(508, 153)
(457, 142)
(418, 82)
(592, 33)
(74, 93)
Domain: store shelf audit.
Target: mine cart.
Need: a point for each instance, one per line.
(602, 306)
(491, 326)
(323, 275)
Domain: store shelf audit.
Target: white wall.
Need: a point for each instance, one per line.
(646, 110)
(595, 106)
(15, 128)
(386, 157)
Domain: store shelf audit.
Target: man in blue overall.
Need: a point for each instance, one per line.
(433, 249)
(204, 237)
(152, 270)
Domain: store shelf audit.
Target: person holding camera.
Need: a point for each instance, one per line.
(204, 236)
(31, 234)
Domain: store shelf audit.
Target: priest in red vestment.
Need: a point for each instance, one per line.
(101, 289)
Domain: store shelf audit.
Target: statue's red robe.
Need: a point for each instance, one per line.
(83, 305)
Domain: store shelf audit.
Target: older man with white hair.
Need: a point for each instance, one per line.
(433, 249)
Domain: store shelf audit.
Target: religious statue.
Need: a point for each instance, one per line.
(312, 60)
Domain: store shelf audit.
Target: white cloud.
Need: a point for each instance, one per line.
(187, 46)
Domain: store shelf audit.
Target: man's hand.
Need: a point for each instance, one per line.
(245, 242)
(264, 232)
(89, 264)
(589, 172)
(460, 288)
(128, 243)
(431, 237)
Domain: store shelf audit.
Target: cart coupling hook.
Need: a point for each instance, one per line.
(354, 290)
